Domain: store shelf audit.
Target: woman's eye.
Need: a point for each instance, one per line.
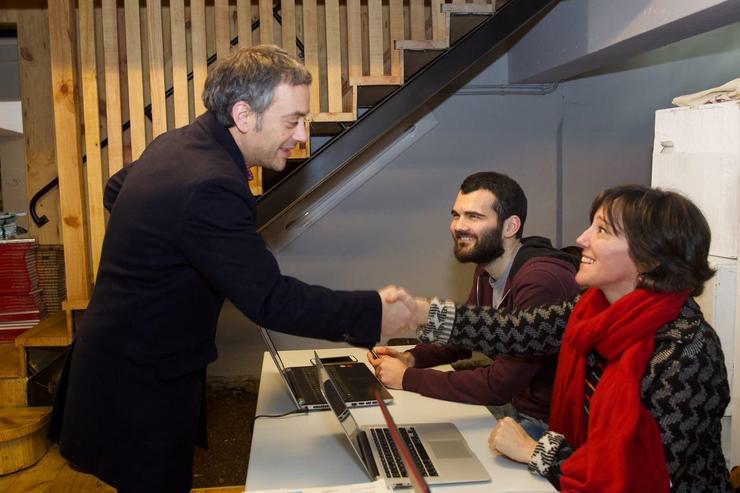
(601, 229)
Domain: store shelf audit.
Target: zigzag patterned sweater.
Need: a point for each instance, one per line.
(685, 386)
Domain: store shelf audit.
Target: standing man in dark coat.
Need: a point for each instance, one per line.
(182, 238)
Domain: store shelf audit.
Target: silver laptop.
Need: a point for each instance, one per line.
(355, 381)
(441, 453)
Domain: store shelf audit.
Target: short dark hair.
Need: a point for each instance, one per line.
(510, 198)
(250, 75)
(667, 234)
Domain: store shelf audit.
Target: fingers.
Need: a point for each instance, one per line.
(390, 372)
(399, 311)
(510, 439)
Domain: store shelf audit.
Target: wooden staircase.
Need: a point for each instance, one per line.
(23, 429)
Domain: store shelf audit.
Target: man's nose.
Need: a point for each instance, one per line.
(300, 134)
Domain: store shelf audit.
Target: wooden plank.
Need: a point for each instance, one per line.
(375, 33)
(396, 30)
(288, 12)
(333, 57)
(200, 54)
(156, 67)
(354, 38)
(180, 95)
(34, 66)
(422, 44)
(267, 34)
(37, 478)
(135, 79)
(112, 87)
(417, 19)
(50, 332)
(9, 367)
(468, 8)
(311, 51)
(223, 33)
(89, 87)
(67, 132)
(439, 20)
(244, 22)
(13, 393)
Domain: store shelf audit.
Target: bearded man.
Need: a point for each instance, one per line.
(513, 272)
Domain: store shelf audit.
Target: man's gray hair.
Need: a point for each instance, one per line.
(251, 75)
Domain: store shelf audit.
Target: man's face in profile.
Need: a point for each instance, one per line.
(279, 128)
(475, 227)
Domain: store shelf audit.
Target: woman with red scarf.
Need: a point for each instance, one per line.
(641, 384)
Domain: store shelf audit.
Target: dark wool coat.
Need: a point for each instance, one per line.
(181, 238)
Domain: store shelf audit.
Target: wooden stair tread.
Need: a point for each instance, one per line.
(422, 44)
(50, 332)
(468, 8)
(16, 422)
(9, 361)
(376, 80)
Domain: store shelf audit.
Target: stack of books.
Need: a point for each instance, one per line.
(21, 303)
(50, 266)
(8, 228)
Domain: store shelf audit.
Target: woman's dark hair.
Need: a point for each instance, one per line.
(667, 234)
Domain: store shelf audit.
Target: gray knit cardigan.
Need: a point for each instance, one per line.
(685, 386)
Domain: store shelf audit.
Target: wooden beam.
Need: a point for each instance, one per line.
(180, 96)
(333, 57)
(135, 79)
(67, 132)
(200, 54)
(267, 35)
(112, 86)
(90, 102)
(244, 22)
(375, 30)
(156, 67)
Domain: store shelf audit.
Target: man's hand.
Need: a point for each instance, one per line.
(422, 311)
(404, 356)
(399, 312)
(390, 370)
(509, 438)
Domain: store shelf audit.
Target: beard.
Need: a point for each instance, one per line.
(486, 249)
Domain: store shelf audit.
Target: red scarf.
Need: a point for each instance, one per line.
(619, 447)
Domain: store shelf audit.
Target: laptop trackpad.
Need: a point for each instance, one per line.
(449, 449)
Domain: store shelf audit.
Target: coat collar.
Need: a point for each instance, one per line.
(208, 122)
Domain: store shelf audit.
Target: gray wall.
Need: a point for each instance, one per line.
(592, 132)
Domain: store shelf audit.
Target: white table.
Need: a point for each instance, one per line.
(308, 450)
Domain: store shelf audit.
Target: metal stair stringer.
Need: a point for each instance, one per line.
(397, 106)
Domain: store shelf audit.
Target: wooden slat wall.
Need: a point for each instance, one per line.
(343, 40)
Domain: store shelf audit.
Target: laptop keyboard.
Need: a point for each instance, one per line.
(391, 458)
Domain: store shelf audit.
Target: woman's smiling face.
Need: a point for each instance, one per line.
(605, 262)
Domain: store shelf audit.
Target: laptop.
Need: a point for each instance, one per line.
(355, 381)
(439, 450)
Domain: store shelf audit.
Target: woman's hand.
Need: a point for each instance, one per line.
(509, 438)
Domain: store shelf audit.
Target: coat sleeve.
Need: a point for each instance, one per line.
(493, 385)
(220, 239)
(113, 187)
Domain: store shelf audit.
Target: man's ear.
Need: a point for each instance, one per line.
(512, 225)
(242, 115)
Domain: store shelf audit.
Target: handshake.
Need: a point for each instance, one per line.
(402, 313)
